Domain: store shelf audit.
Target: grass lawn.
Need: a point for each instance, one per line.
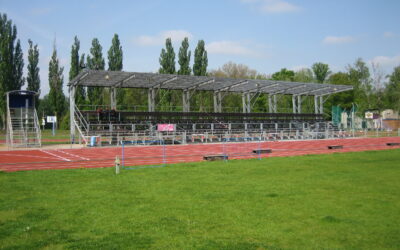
(349, 200)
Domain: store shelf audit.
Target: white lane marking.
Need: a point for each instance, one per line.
(60, 157)
(73, 155)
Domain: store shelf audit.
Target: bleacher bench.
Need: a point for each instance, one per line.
(215, 157)
(262, 151)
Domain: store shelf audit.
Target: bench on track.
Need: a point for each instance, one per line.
(393, 144)
(262, 151)
(335, 146)
(215, 157)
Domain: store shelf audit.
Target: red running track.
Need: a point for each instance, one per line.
(153, 155)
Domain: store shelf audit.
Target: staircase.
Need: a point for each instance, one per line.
(23, 128)
(81, 125)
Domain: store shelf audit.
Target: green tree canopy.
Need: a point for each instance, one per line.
(303, 75)
(321, 71)
(200, 59)
(11, 62)
(283, 75)
(344, 99)
(56, 81)
(115, 56)
(184, 58)
(167, 58)
(76, 68)
(393, 90)
(95, 61)
(33, 78)
(361, 81)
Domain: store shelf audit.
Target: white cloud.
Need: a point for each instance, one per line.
(386, 61)
(338, 39)
(272, 6)
(159, 39)
(388, 34)
(229, 48)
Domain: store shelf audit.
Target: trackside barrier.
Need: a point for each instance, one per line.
(161, 145)
(162, 154)
(114, 138)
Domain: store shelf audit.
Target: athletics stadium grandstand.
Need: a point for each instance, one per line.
(112, 125)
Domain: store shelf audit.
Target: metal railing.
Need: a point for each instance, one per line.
(109, 138)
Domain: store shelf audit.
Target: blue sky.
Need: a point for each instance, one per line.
(266, 35)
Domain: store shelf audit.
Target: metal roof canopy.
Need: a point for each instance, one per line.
(121, 79)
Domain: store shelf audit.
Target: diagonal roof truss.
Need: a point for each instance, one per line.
(121, 79)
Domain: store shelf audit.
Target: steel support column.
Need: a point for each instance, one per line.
(186, 100)
(321, 104)
(248, 102)
(113, 98)
(269, 104)
(72, 90)
(219, 101)
(215, 96)
(244, 108)
(316, 106)
(299, 104)
(151, 99)
(294, 104)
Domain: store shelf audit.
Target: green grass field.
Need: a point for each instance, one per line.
(347, 201)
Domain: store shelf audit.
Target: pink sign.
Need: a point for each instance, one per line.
(165, 127)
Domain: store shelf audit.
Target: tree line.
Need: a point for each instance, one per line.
(372, 89)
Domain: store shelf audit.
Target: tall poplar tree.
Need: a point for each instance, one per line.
(201, 100)
(167, 58)
(200, 60)
(115, 57)
(56, 81)
(11, 62)
(95, 61)
(167, 66)
(184, 58)
(75, 69)
(18, 69)
(33, 78)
